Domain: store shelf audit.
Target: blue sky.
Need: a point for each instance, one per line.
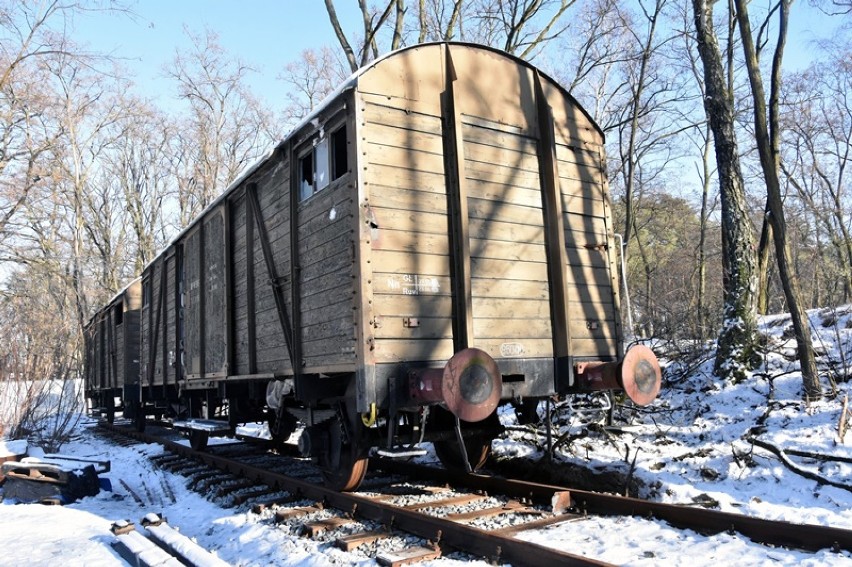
(268, 34)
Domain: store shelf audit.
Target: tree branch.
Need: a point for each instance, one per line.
(341, 37)
(782, 456)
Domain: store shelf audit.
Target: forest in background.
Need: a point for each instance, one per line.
(95, 178)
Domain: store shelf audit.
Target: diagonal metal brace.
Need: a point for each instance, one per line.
(275, 282)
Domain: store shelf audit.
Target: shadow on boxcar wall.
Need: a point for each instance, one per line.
(410, 234)
(508, 257)
(492, 204)
(594, 276)
(580, 178)
(434, 303)
(509, 254)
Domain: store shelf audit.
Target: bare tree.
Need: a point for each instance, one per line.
(438, 20)
(31, 35)
(817, 149)
(62, 219)
(90, 118)
(767, 135)
(833, 7)
(737, 337)
(637, 85)
(26, 132)
(662, 267)
(519, 27)
(705, 173)
(590, 56)
(701, 139)
(309, 79)
(136, 174)
(622, 62)
(39, 367)
(226, 127)
(372, 22)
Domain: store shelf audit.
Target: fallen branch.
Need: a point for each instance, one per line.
(843, 424)
(782, 455)
(818, 456)
(567, 439)
(524, 429)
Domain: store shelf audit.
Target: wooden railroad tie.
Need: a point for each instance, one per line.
(313, 529)
(408, 556)
(512, 507)
(238, 485)
(291, 513)
(350, 542)
(239, 499)
(452, 501)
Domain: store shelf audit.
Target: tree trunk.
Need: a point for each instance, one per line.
(767, 136)
(635, 110)
(341, 36)
(764, 256)
(736, 343)
(702, 240)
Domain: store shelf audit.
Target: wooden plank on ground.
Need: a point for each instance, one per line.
(540, 523)
(451, 501)
(291, 513)
(512, 507)
(350, 542)
(239, 499)
(408, 556)
(261, 506)
(313, 529)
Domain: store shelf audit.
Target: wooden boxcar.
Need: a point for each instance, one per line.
(434, 240)
(112, 352)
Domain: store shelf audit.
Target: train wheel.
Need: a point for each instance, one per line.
(198, 439)
(345, 464)
(110, 409)
(139, 417)
(281, 427)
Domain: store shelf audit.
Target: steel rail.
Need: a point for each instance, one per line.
(492, 546)
(808, 537)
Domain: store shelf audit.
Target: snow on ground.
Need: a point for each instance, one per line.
(691, 445)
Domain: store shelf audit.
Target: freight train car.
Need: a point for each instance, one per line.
(112, 353)
(433, 241)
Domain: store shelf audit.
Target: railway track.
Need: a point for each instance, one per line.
(415, 499)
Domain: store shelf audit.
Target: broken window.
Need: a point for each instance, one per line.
(326, 161)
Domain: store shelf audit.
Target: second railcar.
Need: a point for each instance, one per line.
(436, 239)
(112, 353)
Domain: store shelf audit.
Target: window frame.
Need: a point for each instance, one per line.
(309, 150)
